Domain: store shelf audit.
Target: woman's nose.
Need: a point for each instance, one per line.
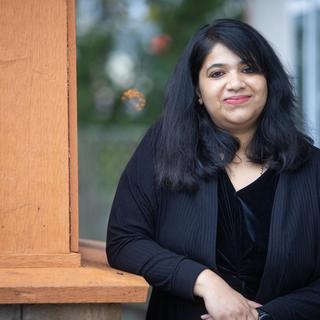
(235, 82)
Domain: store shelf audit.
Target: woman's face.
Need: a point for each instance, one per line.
(233, 93)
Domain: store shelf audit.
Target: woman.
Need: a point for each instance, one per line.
(219, 207)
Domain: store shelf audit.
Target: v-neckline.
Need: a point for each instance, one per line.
(249, 185)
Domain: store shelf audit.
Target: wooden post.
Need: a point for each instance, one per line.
(40, 261)
(37, 135)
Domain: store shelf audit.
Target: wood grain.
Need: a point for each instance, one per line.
(90, 284)
(93, 282)
(73, 139)
(40, 260)
(34, 164)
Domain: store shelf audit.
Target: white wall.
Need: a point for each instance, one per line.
(271, 19)
(276, 20)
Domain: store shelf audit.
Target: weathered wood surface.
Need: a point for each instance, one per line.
(35, 118)
(93, 282)
(73, 138)
(40, 260)
(70, 285)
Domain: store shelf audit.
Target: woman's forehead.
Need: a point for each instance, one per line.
(221, 55)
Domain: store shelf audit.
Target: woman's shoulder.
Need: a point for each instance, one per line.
(152, 133)
(315, 150)
(315, 154)
(311, 165)
(142, 160)
(146, 146)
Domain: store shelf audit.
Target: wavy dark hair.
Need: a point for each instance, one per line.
(190, 144)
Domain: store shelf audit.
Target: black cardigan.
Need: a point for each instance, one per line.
(170, 237)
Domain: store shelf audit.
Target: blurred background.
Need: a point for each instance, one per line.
(126, 51)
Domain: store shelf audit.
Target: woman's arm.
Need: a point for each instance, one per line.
(131, 244)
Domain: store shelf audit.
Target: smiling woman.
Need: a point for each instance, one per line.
(233, 93)
(211, 208)
(234, 96)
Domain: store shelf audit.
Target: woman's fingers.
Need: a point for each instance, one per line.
(254, 304)
(222, 301)
(254, 314)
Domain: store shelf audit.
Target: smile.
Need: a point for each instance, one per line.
(237, 99)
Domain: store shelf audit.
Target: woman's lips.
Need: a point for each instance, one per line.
(237, 99)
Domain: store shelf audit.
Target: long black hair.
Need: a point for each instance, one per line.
(189, 144)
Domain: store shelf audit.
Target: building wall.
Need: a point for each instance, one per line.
(293, 28)
(272, 20)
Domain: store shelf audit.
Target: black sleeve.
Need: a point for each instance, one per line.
(301, 304)
(131, 244)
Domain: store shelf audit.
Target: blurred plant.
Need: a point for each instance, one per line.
(124, 44)
(160, 44)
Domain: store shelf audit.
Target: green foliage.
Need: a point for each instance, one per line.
(115, 29)
(92, 49)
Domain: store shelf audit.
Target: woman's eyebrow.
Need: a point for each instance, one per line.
(216, 65)
(221, 65)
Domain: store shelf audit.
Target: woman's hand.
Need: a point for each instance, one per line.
(251, 303)
(221, 301)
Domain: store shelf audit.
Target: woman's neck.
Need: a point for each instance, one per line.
(244, 138)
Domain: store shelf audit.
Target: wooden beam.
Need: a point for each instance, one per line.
(94, 282)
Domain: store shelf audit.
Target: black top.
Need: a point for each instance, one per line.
(243, 231)
(170, 237)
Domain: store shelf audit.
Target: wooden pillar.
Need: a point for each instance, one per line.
(37, 135)
(41, 271)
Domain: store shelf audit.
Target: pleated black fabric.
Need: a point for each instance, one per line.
(243, 231)
(170, 237)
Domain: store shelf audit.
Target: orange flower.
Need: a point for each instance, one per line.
(136, 98)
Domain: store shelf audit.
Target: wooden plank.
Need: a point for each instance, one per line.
(40, 260)
(73, 139)
(70, 285)
(94, 282)
(34, 173)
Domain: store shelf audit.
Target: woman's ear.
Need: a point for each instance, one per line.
(199, 96)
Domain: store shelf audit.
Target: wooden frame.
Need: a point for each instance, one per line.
(39, 241)
(73, 140)
(38, 136)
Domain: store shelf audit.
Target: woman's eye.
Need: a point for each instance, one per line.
(216, 74)
(248, 70)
